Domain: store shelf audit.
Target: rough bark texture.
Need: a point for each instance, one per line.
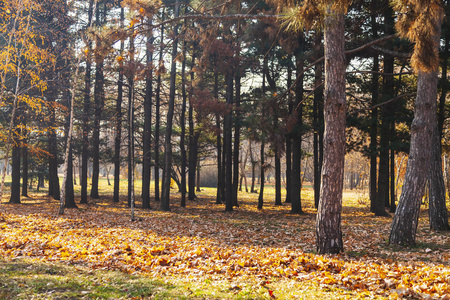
(328, 222)
(437, 206)
(404, 225)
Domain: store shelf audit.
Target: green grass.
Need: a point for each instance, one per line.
(27, 279)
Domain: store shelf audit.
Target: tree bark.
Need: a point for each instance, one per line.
(24, 149)
(404, 225)
(147, 141)
(183, 128)
(118, 135)
(15, 173)
(289, 140)
(228, 149)
(328, 222)
(437, 205)
(99, 102)
(165, 196)
(237, 138)
(157, 113)
(262, 177)
(374, 117)
(296, 184)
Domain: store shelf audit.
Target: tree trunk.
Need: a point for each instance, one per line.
(317, 121)
(374, 118)
(183, 128)
(219, 195)
(404, 225)
(118, 136)
(296, 185)
(237, 138)
(165, 196)
(252, 160)
(15, 173)
(262, 178)
(289, 140)
(54, 188)
(193, 140)
(99, 102)
(438, 209)
(147, 141)
(24, 149)
(67, 192)
(328, 223)
(228, 151)
(157, 113)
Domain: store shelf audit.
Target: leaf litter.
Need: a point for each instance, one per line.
(201, 241)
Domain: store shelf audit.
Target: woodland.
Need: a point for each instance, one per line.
(224, 149)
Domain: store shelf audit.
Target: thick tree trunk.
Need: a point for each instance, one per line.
(328, 223)
(165, 196)
(404, 225)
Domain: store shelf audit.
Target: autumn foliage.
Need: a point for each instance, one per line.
(201, 242)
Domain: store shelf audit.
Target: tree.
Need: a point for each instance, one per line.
(328, 223)
(86, 112)
(420, 22)
(118, 117)
(165, 196)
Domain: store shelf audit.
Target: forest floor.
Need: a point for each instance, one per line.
(202, 252)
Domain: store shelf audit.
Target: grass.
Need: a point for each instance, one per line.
(28, 279)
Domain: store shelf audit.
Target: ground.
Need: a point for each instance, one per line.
(202, 252)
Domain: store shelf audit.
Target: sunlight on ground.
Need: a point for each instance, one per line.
(201, 242)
